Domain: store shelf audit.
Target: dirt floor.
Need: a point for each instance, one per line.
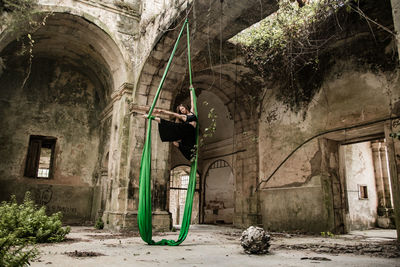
(210, 245)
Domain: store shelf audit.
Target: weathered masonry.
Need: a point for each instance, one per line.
(68, 134)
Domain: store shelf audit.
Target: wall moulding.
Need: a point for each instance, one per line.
(125, 88)
(132, 13)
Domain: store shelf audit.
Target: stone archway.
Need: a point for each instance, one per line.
(60, 97)
(219, 187)
(229, 80)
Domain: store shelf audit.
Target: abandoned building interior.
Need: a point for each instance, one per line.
(70, 136)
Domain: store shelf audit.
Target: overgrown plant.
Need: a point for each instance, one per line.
(23, 225)
(327, 234)
(21, 20)
(99, 224)
(17, 15)
(29, 222)
(288, 44)
(210, 130)
(395, 135)
(16, 252)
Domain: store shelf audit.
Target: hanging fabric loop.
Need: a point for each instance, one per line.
(144, 209)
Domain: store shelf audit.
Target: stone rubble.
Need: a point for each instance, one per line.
(255, 240)
(385, 250)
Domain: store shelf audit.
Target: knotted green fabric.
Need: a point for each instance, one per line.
(144, 210)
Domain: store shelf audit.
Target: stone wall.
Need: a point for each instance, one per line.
(349, 96)
(82, 61)
(294, 208)
(60, 102)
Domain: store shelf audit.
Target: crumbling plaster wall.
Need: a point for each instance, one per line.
(107, 32)
(246, 170)
(350, 95)
(219, 195)
(56, 101)
(359, 170)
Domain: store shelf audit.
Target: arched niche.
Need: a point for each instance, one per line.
(218, 193)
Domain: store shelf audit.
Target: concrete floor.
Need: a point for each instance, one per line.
(210, 245)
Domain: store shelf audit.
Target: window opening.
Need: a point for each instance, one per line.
(362, 192)
(179, 181)
(184, 181)
(40, 157)
(219, 164)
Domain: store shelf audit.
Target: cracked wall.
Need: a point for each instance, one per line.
(359, 171)
(349, 96)
(60, 102)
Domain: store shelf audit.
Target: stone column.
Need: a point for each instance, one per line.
(245, 167)
(160, 172)
(115, 214)
(380, 191)
(393, 152)
(382, 184)
(160, 169)
(385, 176)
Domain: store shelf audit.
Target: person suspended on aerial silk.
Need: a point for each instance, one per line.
(182, 131)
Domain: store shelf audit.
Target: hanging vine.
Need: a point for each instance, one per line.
(289, 47)
(21, 19)
(17, 15)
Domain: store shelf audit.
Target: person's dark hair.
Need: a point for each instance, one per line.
(182, 105)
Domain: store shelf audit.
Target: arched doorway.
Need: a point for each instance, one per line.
(219, 193)
(179, 180)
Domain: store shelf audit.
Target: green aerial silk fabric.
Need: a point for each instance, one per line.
(144, 210)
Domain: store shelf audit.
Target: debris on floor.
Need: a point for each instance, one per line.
(255, 240)
(83, 254)
(217, 245)
(316, 258)
(389, 249)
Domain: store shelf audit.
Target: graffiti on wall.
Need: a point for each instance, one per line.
(43, 196)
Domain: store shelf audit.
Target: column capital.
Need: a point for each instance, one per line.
(125, 88)
(375, 145)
